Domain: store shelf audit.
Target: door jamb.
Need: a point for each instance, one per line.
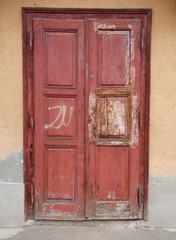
(28, 14)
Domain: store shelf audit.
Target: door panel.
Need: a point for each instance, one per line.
(113, 43)
(112, 173)
(59, 103)
(114, 105)
(113, 115)
(60, 170)
(61, 117)
(61, 61)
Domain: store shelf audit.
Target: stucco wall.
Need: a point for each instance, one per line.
(163, 81)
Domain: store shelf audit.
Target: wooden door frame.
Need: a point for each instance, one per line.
(28, 14)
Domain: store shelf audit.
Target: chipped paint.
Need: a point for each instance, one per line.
(132, 42)
(116, 117)
(114, 142)
(114, 209)
(111, 32)
(54, 213)
(98, 26)
(135, 101)
(92, 120)
(133, 73)
(132, 48)
(127, 63)
(111, 194)
(101, 121)
(112, 117)
(131, 56)
(135, 121)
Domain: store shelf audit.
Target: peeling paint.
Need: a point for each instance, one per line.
(111, 194)
(132, 49)
(92, 120)
(115, 142)
(135, 121)
(107, 32)
(98, 26)
(121, 209)
(133, 72)
(116, 117)
(112, 117)
(127, 64)
(117, 123)
(54, 213)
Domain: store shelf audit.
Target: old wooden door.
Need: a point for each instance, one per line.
(59, 119)
(115, 105)
(89, 103)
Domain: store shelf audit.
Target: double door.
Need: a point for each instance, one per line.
(88, 108)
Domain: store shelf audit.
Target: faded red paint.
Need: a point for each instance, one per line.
(89, 108)
(114, 167)
(59, 120)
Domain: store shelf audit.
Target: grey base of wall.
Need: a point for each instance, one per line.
(162, 202)
(11, 204)
(161, 207)
(12, 190)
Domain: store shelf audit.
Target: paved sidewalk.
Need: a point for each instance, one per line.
(87, 231)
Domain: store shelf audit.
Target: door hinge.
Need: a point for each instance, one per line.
(142, 39)
(31, 36)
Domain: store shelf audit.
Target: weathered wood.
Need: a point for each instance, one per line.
(117, 79)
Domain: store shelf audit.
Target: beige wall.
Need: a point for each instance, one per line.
(163, 74)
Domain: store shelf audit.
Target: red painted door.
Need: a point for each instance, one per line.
(88, 134)
(59, 119)
(114, 104)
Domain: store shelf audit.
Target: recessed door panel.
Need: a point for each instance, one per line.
(112, 173)
(61, 61)
(61, 121)
(113, 54)
(113, 115)
(61, 173)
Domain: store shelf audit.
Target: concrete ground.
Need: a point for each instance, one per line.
(86, 231)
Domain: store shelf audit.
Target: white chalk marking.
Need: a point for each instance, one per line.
(60, 121)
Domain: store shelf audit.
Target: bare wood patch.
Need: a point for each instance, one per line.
(98, 26)
(135, 122)
(92, 115)
(113, 209)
